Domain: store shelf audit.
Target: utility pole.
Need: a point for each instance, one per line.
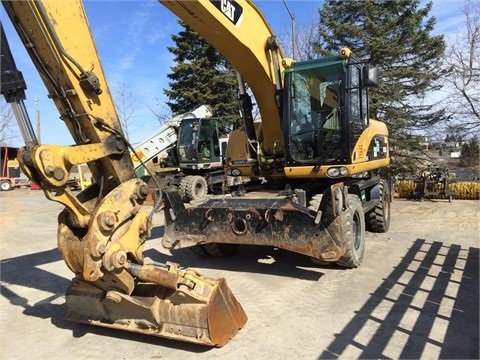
(38, 120)
(292, 17)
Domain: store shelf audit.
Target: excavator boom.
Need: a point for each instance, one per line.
(101, 231)
(242, 34)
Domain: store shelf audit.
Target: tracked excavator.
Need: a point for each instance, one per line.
(316, 154)
(102, 231)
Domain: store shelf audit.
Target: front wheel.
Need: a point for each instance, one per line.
(353, 233)
(314, 206)
(193, 187)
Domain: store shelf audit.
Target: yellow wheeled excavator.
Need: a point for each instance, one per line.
(101, 233)
(316, 154)
(314, 160)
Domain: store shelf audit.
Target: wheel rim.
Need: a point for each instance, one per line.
(386, 211)
(198, 189)
(357, 237)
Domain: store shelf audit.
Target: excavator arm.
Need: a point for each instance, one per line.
(102, 231)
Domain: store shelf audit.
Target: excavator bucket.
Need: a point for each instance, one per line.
(175, 304)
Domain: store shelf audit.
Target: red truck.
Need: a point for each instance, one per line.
(10, 170)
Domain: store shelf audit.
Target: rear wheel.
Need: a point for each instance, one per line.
(215, 249)
(218, 250)
(378, 220)
(182, 188)
(5, 185)
(353, 233)
(198, 250)
(196, 187)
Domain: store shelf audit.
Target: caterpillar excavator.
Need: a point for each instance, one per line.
(315, 158)
(316, 154)
(102, 230)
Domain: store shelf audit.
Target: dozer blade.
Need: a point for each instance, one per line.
(180, 305)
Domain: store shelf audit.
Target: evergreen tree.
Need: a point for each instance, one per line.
(394, 35)
(201, 75)
(470, 155)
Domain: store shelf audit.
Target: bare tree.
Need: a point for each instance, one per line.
(162, 115)
(305, 38)
(463, 71)
(9, 132)
(125, 104)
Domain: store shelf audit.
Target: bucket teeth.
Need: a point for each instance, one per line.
(200, 310)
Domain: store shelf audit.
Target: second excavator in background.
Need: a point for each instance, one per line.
(187, 153)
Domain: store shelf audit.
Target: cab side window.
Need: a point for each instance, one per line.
(355, 95)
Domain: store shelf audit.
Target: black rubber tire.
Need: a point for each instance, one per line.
(198, 250)
(313, 205)
(182, 188)
(378, 219)
(353, 231)
(5, 185)
(196, 187)
(215, 249)
(219, 250)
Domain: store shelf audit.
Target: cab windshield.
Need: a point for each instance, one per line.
(198, 141)
(315, 128)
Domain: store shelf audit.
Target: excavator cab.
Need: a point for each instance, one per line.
(198, 143)
(325, 109)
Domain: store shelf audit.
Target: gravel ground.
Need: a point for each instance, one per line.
(415, 296)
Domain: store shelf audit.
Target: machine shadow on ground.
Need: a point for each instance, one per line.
(249, 259)
(24, 271)
(437, 287)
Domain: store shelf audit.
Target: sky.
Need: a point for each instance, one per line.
(132, 37)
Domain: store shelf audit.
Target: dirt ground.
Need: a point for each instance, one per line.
(415, 296)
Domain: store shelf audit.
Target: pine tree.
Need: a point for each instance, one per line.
(394, 35)
(201, 75)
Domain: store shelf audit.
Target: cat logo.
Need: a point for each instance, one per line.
(230, 9)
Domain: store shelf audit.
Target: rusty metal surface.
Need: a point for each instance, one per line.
(200, 310)
(113, 288)
(150, 273)
(117, 228)
(279, 223)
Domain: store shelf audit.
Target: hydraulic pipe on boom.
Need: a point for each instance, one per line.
(102, 232)
(13, 89)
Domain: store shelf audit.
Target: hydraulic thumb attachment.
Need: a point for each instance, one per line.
(166, 302)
